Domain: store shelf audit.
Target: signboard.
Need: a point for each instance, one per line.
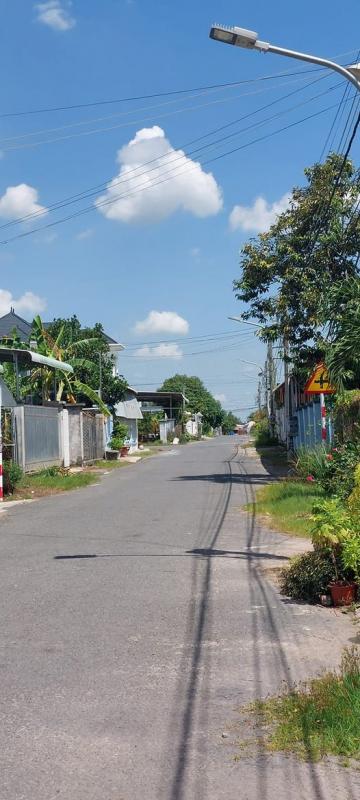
(319, 382)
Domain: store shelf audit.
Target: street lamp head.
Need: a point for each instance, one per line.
(240, 37)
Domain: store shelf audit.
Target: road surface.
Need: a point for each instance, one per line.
(137, 619)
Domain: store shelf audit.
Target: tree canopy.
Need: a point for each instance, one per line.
(287, 271)
(200, 399)
(90, 345)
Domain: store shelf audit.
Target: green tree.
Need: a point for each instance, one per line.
(287, 271)
(342, 315)
(90, 344)
(229, 422)
(200, 399)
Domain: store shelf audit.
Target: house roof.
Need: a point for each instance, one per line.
(158, 397)
(128, 409)
(12, 320)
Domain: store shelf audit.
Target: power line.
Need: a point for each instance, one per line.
(88, 209)
(94, 190)
(141, 121)
(132, 98)
(81, 123)
(153, 95)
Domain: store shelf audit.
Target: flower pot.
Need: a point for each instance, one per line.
(124, 451)
(343, 593)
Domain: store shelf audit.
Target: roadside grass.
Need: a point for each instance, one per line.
(320, 718)
(42, 483)
(287, 505)
(107, 464)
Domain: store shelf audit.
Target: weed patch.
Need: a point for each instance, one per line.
(288, 505)
(320, 718)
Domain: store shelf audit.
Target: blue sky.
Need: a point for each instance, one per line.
(172, 247)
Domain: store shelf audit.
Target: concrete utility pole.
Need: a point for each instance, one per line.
(286, 392)
(271, 387)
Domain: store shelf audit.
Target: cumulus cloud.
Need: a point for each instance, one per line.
(28, 303)
(259, 216)
(55, 14)
(154, 191)
(165, 350)
(163, 322)
(19, 201)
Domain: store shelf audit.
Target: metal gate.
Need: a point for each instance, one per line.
(93, 436)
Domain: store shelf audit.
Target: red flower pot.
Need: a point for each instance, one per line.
(343, 593)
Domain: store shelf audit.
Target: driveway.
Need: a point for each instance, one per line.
(137, 618)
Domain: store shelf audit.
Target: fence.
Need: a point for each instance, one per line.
(45, 436)
(37, 437)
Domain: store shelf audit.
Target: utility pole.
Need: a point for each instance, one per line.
(271, 388)
(286, 390)
(259, 395)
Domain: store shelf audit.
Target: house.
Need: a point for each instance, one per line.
(128, 411)
(171, 404)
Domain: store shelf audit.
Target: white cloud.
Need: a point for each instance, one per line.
(220, 397)
(55, 14)
(28, 303)
(86, 234)
(171, 182)
(163, 322)
(165, 350)
(19, 201)
(195, 252)
(259, 216)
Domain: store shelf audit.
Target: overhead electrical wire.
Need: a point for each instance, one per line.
(141, 121)
(92, 191)
(153, 95)
(132, 98)
(81, 123)
(88, 209)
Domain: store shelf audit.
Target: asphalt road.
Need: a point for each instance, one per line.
(136, 619)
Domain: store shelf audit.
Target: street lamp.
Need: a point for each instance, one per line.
(240, 37)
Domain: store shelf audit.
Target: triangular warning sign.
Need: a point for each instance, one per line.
(319, 382)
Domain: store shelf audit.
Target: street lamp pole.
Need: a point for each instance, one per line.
(241, 37)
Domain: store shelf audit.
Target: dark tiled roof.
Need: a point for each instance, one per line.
(10, 321)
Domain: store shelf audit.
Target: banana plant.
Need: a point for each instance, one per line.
(69, 385)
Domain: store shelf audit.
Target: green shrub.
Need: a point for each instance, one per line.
(308, 576)
(117, 442)
(120, 430)
(12, 476)
(311, 462)
(350, 556)
(262, 435)
(184, 438)
(339, 479)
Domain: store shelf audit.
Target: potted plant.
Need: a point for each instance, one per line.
(120, 434)
(333, 531)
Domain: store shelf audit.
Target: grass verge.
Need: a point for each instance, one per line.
(42, 483)
(287, 505)
(321, 718)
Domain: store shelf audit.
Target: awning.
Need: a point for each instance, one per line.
(128, 409)
(29, 357)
